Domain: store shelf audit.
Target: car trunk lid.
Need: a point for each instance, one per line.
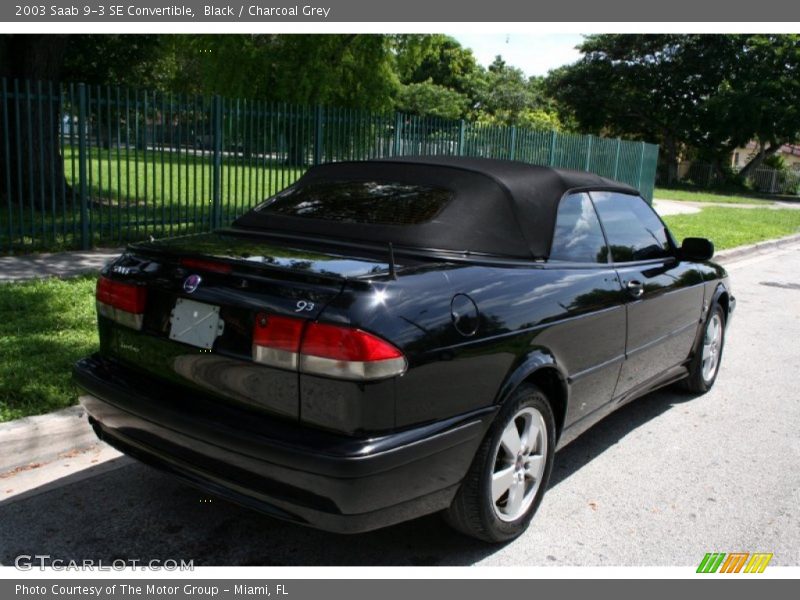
(204, 296)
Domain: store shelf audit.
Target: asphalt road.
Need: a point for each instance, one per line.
(661, 482)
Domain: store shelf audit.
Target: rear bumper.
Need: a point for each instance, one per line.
(329, 481)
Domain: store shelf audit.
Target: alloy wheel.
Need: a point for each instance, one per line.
(519, 464)
(712, 347)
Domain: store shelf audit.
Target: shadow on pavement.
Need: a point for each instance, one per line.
(610, 430)
(135, 512)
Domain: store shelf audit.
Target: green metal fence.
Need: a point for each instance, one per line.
(83, 165)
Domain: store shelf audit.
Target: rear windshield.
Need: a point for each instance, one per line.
(375, 202)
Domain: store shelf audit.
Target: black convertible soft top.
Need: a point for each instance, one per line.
(499, 207)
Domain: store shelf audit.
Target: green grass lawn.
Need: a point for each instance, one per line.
(45, 326)
(177, 179)
(730, 227)
(133, 195)
(692, 196)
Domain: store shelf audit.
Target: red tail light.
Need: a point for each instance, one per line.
(324, 349)
(348, 353)
(122, 302)
(276, 340)
(201, 264)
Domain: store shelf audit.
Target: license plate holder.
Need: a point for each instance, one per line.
(195, 323)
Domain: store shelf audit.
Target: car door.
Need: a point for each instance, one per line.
(591, 341)
(664, 295)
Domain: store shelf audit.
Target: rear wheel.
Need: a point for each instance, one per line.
(705, 364)
(509, 474)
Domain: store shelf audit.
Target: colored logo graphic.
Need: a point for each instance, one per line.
(734, 562)
(191, 283)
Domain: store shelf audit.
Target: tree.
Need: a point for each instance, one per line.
(124, 60)
(643, 86)
(428, 98)
(509, 98)
(37, 58)
(711, 93)
(354, 71)
(756, 101)
(440, 60)
(528, 118)
(90, 59)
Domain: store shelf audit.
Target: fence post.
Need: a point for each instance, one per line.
(86, 243)
(616, 158)
(641, 167)
(512, 154)
(462, 130)
(772, 188)
(398, 133)
(319, 117)
(216, 167)
(7, 161)
(588, 151)
(553, 140)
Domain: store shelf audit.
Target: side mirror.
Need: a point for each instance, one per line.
(697, 249)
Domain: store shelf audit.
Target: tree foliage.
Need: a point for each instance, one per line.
(509, 98)
(428, 98)
(126, 60)
(347, 70)
(442, 78)
(707, 93)
(440, 60)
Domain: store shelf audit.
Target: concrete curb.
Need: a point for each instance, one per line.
(740, 252)
(44, 438)
(33, 440)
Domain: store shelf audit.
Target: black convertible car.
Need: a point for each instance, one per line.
(391, 338)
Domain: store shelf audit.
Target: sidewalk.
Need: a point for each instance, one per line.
(59, 264)
(685, 207)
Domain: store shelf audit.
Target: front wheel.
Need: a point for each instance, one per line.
(509, 474)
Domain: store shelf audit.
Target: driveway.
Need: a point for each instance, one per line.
(661, 482)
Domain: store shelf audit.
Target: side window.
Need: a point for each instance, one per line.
(578, 236)
(633, 229)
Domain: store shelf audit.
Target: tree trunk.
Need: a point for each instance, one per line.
(757, 160)
(718, 171)
(32, 171)
(671, 158)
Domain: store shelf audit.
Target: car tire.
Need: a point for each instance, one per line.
(704, 367)
(519, 464)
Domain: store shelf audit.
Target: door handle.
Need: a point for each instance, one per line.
(635, 288)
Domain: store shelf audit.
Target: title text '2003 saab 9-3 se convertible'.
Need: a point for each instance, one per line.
(391, 338)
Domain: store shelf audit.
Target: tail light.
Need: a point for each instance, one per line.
(324, 349)
(276, 340)
(121, 302)
(348, 353)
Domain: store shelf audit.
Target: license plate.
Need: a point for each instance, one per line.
(195, 323)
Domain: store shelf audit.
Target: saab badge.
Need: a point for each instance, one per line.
(191, 283)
